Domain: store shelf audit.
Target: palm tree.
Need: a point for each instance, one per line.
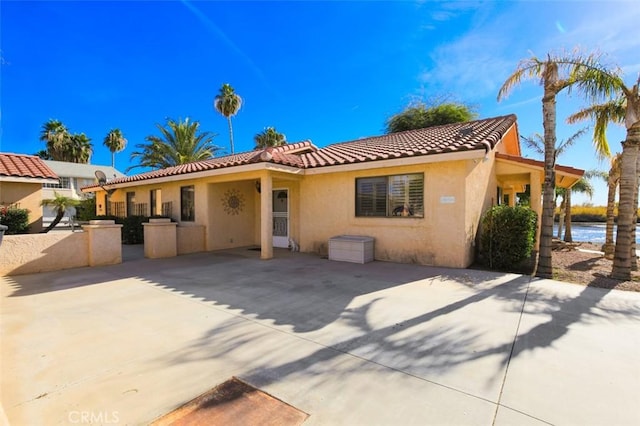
(55, 135)
(548, 72)
(116, 142)
(227, 103)
(582, 186)
(179, 142)
(64, 146)
(596, 83)
(269, 137)
(535, 142)
(79, 149)
(613, 179)
(60, 205)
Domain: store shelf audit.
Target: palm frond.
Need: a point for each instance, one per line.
(527, 69)
(612, 111)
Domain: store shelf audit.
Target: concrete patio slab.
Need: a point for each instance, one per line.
(378, 343)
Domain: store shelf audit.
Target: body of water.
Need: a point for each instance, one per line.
(591, 232)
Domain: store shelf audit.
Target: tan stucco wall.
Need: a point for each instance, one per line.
(227, 229)
(105, 242)
(190, 239)
(28, 254)
(28, 196)
(160, 240)
(323, 205)
(481, 191)
(327, 209)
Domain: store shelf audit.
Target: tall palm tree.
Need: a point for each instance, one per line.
(596, 83)
(56, 136)
(79, 149)
(539, 145)
(64, 146)
(613, 180)
(269, 137)
(228, 103)
(582, 186)
(548, 72)
(180, 142)
(116, 142)
(60, 204)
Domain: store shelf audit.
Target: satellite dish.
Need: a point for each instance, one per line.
(102, 178)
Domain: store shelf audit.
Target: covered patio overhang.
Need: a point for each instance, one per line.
(515, 173)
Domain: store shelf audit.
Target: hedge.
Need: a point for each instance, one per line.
(17, 220)
(508, 236)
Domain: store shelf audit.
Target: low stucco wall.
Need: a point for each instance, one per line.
(190, 239)
(32, 253)
(99, 244)
(160, 239)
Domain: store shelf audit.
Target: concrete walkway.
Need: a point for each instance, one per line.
(349, 344)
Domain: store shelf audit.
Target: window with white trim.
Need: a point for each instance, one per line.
(63, 182)
(390, 196)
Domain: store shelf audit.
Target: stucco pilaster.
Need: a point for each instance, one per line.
(266, 216)
(105, 242)
(160, 238)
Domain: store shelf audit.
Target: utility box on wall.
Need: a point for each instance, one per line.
(351, 248)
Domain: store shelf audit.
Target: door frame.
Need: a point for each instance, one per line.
(281, 242)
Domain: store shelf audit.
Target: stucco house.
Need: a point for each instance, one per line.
(21, 180)
(71, 178)
(420, 194)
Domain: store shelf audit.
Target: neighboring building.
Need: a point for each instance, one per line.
(72, 177)
(420, 194)
(21, 180)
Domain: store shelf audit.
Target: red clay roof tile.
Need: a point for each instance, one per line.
(26, 166)
(473, 135)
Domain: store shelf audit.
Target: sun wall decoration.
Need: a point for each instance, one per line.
(233, 201)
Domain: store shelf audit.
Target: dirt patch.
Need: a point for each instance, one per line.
(234, 403)
(573, 265)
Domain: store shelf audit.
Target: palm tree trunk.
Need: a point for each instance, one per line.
(634, 255)
(545, 268)
(628, 177)
(53, 224)
(611, 205)
(230, 134)
(113, 159)
(561, 218)
(567, 216)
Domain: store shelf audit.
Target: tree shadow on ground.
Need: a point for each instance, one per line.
(426, 345)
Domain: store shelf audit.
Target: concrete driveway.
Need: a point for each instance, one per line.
(380, 343)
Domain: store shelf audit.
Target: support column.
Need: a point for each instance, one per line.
(105, 242)
(266, 216)
(536, 203)
(160, 239)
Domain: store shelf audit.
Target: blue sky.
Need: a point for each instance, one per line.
(324, 71)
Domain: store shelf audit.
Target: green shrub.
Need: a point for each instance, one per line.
(132, 229)
(508, 236)
(86, 210)
(17, 220)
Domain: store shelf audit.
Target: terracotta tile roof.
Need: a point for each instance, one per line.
(537, 163)
(458, 137)
(432, 140)
(25, 166)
